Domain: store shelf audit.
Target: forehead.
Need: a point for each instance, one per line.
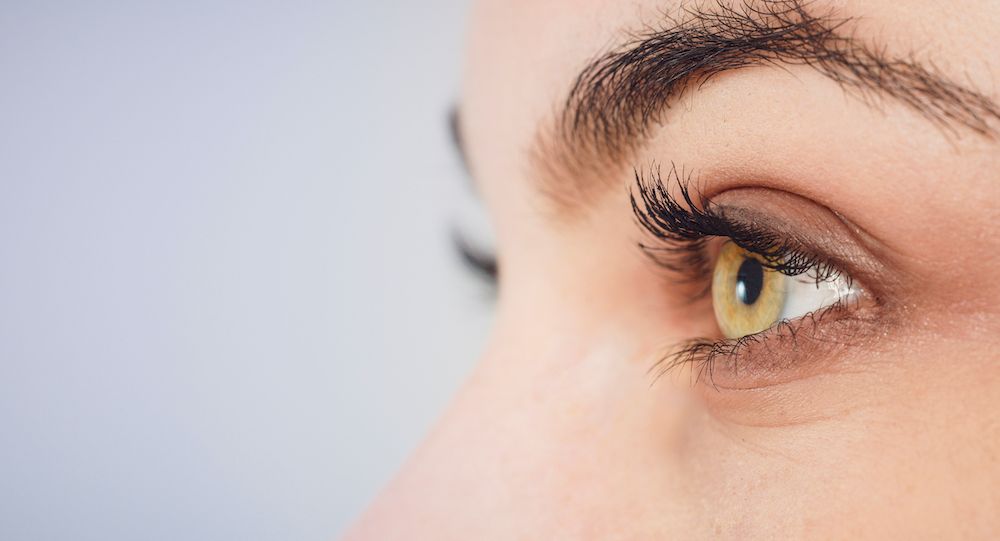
(524, 56)
(521, 59)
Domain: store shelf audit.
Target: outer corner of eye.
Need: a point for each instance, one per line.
(749, 297)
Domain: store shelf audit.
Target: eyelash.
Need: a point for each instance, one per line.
(480, 261)
(681, 227)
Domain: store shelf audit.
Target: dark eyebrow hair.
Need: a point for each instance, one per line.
(620, 96)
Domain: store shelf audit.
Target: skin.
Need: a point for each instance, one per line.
(561, 432)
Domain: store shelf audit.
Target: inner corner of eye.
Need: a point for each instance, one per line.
(748, 296)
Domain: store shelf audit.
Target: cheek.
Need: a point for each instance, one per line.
(830, 451)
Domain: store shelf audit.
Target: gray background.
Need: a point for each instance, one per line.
(228, 306)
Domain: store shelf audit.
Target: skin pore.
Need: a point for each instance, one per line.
(879, 419)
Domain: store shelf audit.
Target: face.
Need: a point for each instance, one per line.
(748, 277)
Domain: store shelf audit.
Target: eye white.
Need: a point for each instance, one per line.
(803, 295)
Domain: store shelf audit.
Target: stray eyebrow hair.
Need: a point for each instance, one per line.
(620, 96)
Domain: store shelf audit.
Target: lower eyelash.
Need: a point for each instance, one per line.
(704, 354)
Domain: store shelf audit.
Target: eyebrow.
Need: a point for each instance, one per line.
(621, 96)
(455, 134)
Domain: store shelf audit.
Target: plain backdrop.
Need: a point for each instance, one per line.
(229, 306)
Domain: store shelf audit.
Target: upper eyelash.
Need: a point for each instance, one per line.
(481, 261)
(683, 225)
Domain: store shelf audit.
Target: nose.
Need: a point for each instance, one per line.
(553, 437)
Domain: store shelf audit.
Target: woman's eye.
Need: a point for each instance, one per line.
(748, 297)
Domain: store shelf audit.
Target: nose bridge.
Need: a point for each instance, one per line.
(553, 432)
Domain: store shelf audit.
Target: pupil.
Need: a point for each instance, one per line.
(749, 281)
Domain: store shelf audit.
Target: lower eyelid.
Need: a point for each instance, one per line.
(808, 336)
(789, 351)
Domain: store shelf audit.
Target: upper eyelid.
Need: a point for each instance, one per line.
(684, 220)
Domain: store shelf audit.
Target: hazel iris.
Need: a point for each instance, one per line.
(748, 297)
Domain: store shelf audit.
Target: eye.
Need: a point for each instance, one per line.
(749, 297)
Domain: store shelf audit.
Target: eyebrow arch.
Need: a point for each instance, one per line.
(619, 97)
